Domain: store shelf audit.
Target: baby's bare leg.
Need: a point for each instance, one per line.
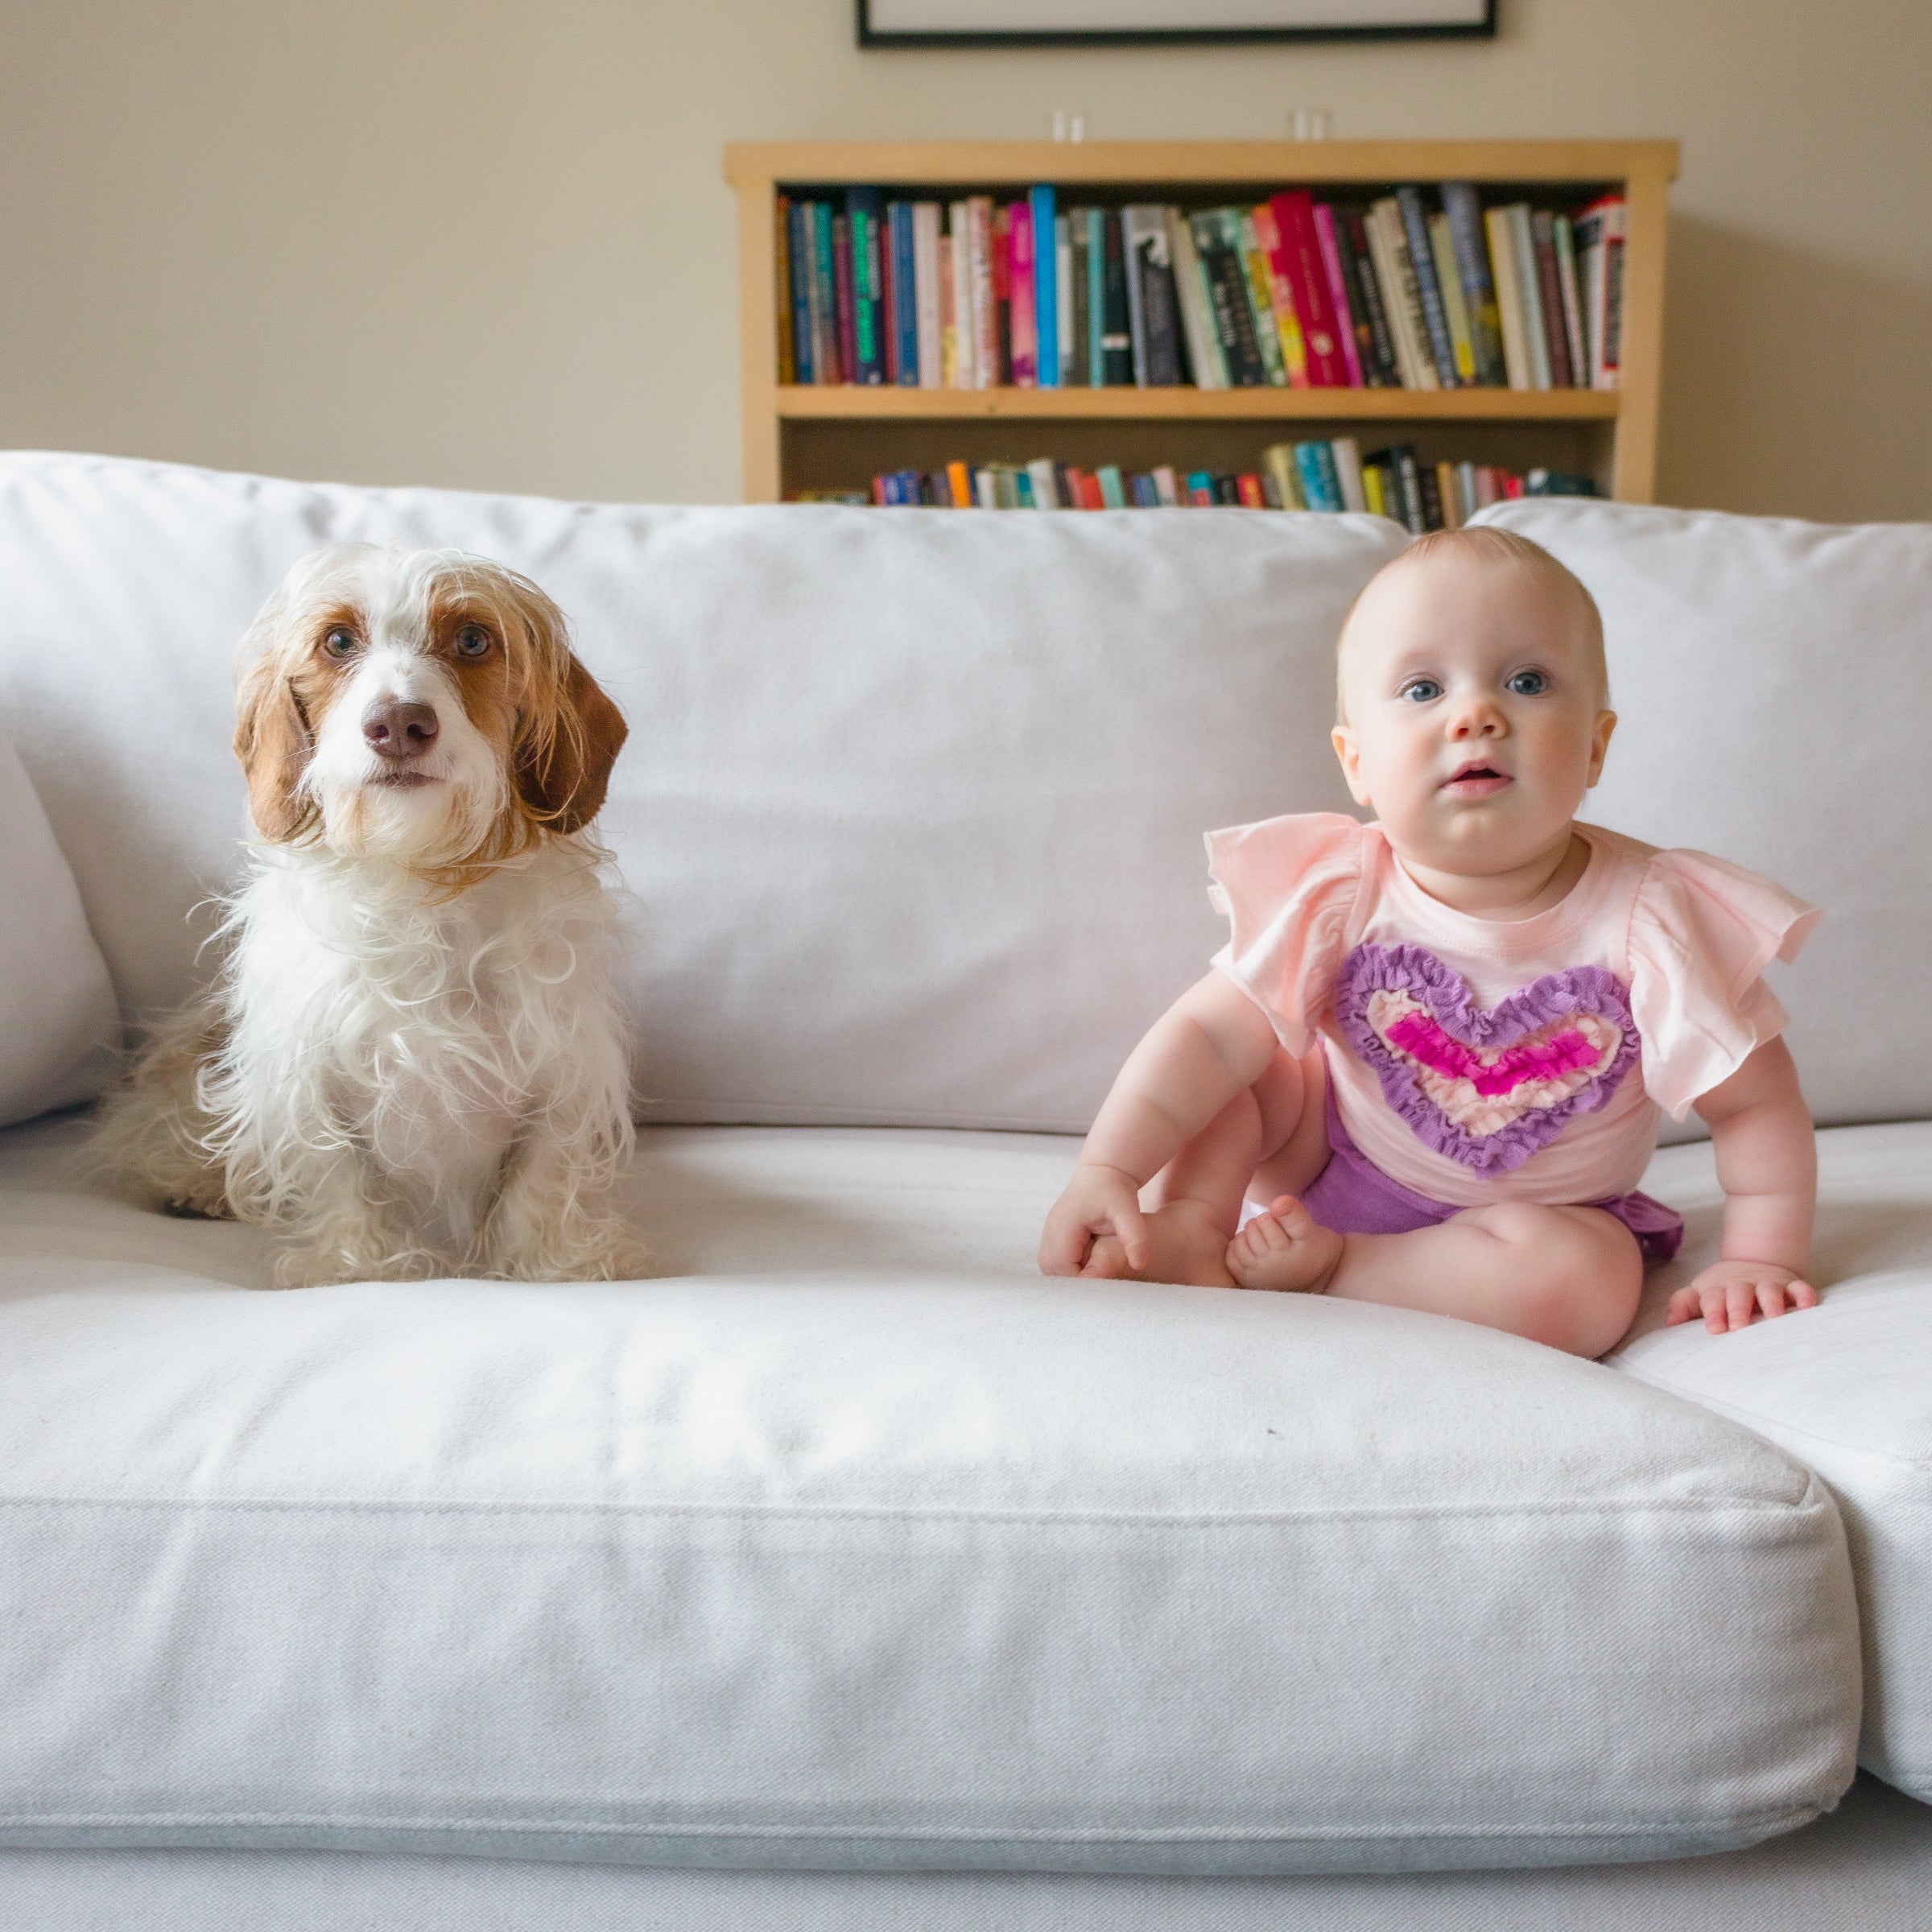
(1194, 1202)
(1568, 1276)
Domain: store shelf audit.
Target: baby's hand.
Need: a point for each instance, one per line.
(1729, 1294)
(1098, 1200)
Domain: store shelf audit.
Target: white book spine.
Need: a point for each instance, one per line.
(1573, 311)
(1522, 243)
(1348, 472)
(926, 289)
(1190, 298)
(1046, 484)
(962, 362)
(1395, 307)
(1166, 487)
(985, 322)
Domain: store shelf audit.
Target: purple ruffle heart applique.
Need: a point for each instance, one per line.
(1487, 1087)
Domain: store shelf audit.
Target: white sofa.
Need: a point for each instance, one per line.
(849, 1574)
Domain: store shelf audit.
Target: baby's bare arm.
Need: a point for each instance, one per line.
(1767, 1164)
(1209, 1044)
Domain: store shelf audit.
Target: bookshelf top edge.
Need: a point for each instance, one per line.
(752, 164)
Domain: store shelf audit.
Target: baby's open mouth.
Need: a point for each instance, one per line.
(1477, 780)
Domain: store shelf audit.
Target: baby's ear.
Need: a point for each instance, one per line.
(273, 741)
(1600, 744)
(1349, 753)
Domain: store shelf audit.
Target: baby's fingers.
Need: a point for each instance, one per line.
(1132, 1228)
(1740, 1304)
(1685, 1306)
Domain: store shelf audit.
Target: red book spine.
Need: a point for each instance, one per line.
(1002, 290)
(1024, 324)
(1092, 496)
(1253, 496)
(1300, 259)
(1338, 290)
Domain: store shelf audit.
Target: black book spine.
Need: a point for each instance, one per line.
(1233, 319)
(1116, 336)
(1157, 306)
(1381, 346)
(1431, 493)
(1409, 471)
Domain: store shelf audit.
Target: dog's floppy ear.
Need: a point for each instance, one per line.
(563, 758)
(273, 741)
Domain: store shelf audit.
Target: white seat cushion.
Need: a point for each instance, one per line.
(857, 1544)
(1846, 1386)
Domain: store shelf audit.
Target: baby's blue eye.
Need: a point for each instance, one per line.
(1420, 690)
(1528, 684)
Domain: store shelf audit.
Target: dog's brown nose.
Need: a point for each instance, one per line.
(396, 730)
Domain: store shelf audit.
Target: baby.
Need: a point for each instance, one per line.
(1439, 1046)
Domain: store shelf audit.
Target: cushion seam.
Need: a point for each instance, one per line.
(1921, 1464)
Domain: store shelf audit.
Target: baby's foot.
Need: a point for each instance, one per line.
(1185, 1243)
(1287, 1249)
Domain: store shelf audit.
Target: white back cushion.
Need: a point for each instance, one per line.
(60, 1034)
(912, 806)
(1773, 683)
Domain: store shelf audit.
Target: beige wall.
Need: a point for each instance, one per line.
(457, 242)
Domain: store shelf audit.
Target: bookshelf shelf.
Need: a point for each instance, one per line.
(800, 437)
(883, 403)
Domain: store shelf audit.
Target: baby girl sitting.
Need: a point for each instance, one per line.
(1439, 1045)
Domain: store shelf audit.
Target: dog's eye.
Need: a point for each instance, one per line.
(339, 640)
(473, 640)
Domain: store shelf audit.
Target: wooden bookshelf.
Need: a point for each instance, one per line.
(807, 437)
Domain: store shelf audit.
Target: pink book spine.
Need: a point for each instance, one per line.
(1338, 291)
(1021, 321)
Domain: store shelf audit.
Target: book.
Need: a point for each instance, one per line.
(1522, 251)
(864, 225)
(781, 226)
(1206, 362)
(1044, 231)
(1277, 461)
(949, 319)
(1300, 258)
(799, 255)
(1464, 210)
(1117, 338)
(1550, 297)
(1338, 298)
(1217, 241)
(1599, 247)
(1447, 497)
(1077, 313)
(960, 233)
(1348, 472)
(1002, 295)
(1573, 314)
(1375, 345)
(1022, 285)
(1166, 486)
(1065, 334)
(1404, 305)
(1314, 464)
(926, 309)
(902, 293)
(1248, 487)
(1113, 492)
(842, 295)
(960, 481)
(1096, 297)
(1430, 493)
(984, 307)
(1151, 296)
(1508, 299)
(1455, 313)
(1287, 325)
(1045, 484)
(1259, 286)
(827, 351)
(1421, 258)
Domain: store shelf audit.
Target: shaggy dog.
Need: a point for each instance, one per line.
(415, 1061)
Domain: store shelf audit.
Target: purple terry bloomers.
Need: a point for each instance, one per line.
(1352, 1195)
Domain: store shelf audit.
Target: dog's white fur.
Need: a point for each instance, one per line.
(415, 1061)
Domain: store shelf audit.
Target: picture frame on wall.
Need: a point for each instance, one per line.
(1045, 22)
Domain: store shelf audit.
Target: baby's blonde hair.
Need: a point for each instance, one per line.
(1482, 544)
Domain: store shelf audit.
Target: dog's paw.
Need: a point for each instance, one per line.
(605, 1250)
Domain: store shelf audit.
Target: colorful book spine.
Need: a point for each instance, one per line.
(1023, 287)
(1464, 209)
(1096, 246)
(864, 224)
(846, 295)
(1330, 245)
(1599, 243)
(825, 286)
(1301, 261)
(1002, 295)
(1046, 287)
(1422, 259)
(1287, 325)
(1217, 242)
(903, 294)
(1259, 287)
(781, 281)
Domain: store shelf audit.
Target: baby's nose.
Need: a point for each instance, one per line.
(1476, 719)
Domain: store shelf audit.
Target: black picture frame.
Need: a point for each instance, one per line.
(870, 36)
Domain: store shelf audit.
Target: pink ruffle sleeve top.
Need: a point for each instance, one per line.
(1474, 1060)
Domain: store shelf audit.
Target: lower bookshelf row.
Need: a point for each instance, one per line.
(1330, 474)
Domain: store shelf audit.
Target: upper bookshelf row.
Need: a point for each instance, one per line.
(909, 291)
(1424, 289)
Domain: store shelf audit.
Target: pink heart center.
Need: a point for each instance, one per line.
(1567, 1052)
